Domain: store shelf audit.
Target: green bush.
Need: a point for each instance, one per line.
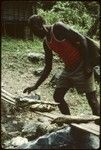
(73, 13)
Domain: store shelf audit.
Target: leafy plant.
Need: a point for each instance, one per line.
(73, 13)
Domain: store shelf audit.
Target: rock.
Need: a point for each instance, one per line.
(28, 98)
(23, 101)
(56, 59)
(35, 57)
(97, 73)
(14, 122)
(49, 127)
(42, 107)
(13, 134)
(34, 129)
(97, 69)
(5, 109)
(3, 130)
(50, 141)
(44, 119)
(38, 72)
(18, 141)
(65, 138)
(52, 128)
(20, 125)
(54, 79)
(7, 143)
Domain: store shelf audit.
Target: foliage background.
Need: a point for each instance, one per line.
(79, 15)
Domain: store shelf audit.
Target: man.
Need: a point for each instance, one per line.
(73, 49)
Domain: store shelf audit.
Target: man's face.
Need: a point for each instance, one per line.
(38, 31)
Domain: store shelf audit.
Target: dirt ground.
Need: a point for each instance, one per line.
(15, 81)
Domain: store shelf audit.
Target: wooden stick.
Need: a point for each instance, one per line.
(92, 128)
(7, 97)
(3, 98)
(7, 93)
(32, 101)
(75, 119)
(69, 118)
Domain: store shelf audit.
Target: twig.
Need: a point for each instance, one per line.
(3, 98)
(69, 118)
(32, 101)
(7, 93)
(7, 97)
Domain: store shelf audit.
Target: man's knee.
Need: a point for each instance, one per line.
(93, 102)
(59, 95)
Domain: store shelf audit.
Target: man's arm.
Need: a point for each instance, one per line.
(46, 71)
(48, 65)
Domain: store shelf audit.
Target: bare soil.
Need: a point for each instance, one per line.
(15, 80)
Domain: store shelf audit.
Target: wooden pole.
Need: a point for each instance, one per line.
(69, 118)
(32, 101)
(7, 93)
(3, 98)
(7, 97)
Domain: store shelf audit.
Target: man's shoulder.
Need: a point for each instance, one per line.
(60, 25)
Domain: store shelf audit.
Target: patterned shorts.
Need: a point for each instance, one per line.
(76, 80)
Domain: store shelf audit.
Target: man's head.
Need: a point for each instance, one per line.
(36, 23)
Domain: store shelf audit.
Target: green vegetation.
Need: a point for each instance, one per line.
(14, 53)
(74, 13)
(22, 46)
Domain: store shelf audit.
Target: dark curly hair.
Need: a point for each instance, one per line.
(36, 20)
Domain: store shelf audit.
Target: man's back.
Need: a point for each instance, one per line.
(94, 51)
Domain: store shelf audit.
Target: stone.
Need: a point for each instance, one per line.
(42, 107)
(14, 122)
(3, 130)
(65, 138)
(97, 73)
(5, 109)
(23, 101)
(17, 141)
(35, 57)
(33, 129)
(38, 72)
(43, 119)
(54, 79)
(13, 134)
(50, 140)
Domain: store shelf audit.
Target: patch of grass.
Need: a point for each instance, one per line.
(20, 46)
(14, 52)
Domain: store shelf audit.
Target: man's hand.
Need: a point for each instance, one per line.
(29, 89)
(88, 71)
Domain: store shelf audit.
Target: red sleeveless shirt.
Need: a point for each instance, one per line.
(66, 51)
